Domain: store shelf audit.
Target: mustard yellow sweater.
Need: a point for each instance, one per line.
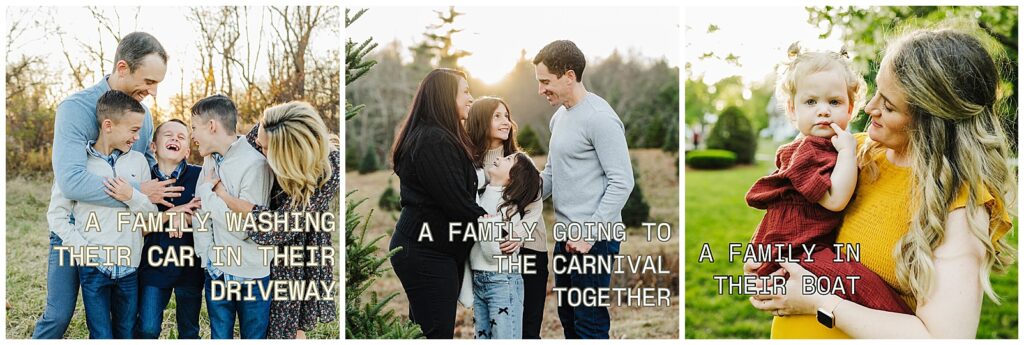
(877, 218)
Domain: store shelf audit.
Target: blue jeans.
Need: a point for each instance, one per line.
(152, 302)
(584, 322)
(498, 305)
(61, 294)
(111, 305)
(253, 316)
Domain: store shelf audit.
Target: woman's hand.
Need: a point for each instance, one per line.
(794, 301)
(119, 188)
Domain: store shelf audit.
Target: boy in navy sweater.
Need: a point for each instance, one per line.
(169, 261)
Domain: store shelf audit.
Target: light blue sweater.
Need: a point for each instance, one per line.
(74, 126)
(588, 172)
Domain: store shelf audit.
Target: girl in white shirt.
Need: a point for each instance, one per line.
(512, 193)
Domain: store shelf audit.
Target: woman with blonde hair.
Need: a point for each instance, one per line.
(930, 208)
(304, 157)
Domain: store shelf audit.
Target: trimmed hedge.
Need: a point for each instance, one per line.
(734, 132)
(710, 159)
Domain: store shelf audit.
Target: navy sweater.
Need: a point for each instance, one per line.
(169, 274)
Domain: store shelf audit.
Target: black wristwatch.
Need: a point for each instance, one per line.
(826, 318)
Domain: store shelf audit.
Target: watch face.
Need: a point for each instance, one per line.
(825, 318)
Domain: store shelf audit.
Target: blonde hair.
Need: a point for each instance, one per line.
(298, 149)
(803, 63)
(956, 145)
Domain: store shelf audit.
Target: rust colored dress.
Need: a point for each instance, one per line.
(794, 218)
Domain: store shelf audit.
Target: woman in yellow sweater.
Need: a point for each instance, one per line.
(929, 212)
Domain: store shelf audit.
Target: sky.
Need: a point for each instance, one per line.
(759, 47)
(168, 24)
(496, 36)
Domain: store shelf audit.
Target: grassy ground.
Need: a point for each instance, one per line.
(717, 214)
(660, 184)
(27, 249)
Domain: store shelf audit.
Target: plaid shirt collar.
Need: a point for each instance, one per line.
(111, 158)
(217, 158)
(174, 174)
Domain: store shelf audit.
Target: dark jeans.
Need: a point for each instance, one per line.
(152, 302)
(431, 280)
(111, 305)
(536, 291)
(585, 322)
(61, 294)
(253, 316)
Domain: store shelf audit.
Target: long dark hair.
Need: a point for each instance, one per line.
(434, 105)
(523, 187)
(478, 125)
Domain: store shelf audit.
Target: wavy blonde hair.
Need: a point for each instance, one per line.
(803, 63)
(298, 149)
(956, 145)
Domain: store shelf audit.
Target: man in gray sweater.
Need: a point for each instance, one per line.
(588, 175)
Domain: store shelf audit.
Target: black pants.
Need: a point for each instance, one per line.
(536, 291)
(431, 280)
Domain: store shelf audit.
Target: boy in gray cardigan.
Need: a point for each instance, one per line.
(244, 172)
(103, 241)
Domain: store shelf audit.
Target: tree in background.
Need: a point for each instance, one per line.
(733, 132)
(231, 62)
(868, 30)
(365, 319)
(390, 200)
(636, 210)
(31, 100)
(530, 142)
(439, 40)
(369, 162)
(647, 95)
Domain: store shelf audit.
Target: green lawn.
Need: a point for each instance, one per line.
(27, 249)
(717, 214)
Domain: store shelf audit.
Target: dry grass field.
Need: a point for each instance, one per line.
(658, 178)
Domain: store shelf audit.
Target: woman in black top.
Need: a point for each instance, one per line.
(432, 158)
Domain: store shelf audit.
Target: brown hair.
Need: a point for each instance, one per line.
(560, 57)
(478, 126)
(524, 187)
(433, 105)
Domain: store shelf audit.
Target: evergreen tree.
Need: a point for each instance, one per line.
(355, 67)
(369, 162)
(351, 158)
(366, 319)
(636, 210)
(438, 41)
(390, 199)
(529, 141)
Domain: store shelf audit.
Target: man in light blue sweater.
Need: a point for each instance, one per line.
(588, 176)
(140, 63)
